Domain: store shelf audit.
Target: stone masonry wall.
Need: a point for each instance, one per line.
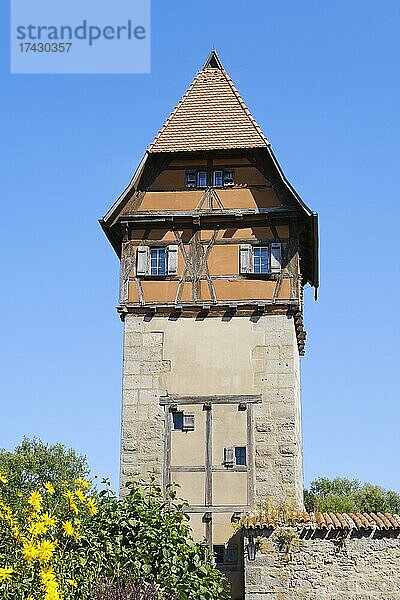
(142, 435)
(364, 568)
(215, 356)
(278, 441)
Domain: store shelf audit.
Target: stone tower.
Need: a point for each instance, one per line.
(215, 248)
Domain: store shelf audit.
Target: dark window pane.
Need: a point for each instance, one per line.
(240, 455)
(219, 550)
(190, 179)
(158, 261)
(202, 178)
(229, 177)
(177, 418)
(217, 179)
(260, 256)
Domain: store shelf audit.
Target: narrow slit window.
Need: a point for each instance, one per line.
(202, 179)
(240, 455)
(157, 261)
(260, 259)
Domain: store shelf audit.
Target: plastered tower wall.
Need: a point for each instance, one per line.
(215, 356)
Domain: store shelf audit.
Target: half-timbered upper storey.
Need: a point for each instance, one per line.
(209, 221)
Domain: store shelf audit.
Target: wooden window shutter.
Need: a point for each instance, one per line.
(246, 258)
(229, 457)
(142, 260)
(172, 259)
(188, 422)
(276, 258)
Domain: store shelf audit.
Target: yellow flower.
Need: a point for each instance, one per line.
(68, 528)
(83, 483)
(3, 479)
(50, 583)
(72, 582)
(80, 495)
(35, 500)
(70, 496)
(5, 573)
(6, 513)
(36, 528)
(48, 520)
(45, 550)
(92, 506)
(29, 551)
(49, 487)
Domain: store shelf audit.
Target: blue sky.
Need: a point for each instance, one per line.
(322, 79)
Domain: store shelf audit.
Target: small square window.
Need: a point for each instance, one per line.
(202, 179)
(177, 418)
(229, 177)
(217, 179)
(158, 261)
(183, 421)
(190, 179)
(240, 455)
(261, 259)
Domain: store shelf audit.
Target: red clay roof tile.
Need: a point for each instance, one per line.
(210, 116)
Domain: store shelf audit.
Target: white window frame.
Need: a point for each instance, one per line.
(247, 260)
(204, 171)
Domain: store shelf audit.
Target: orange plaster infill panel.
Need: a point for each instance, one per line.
(248, 233)
(204, 291)
(248, 198)
(174, 201)
(159, 291)
(248, 289)
(225, 162)
(249, 176)
(186, 292)
(283, 231)
(154, 235)
(169, 180)
(223, 260)
(188, 163)
(133, 295)
(284, 292)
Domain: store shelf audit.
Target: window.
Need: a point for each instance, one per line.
(157, 261)
(219, 551)
(260, 259)
(217, 179)
(190, 180)
(183, 421)
(240, 455)
(227, 555)
(229, 177)
(201, 179)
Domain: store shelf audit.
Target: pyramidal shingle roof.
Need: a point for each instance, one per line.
(210, 116)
